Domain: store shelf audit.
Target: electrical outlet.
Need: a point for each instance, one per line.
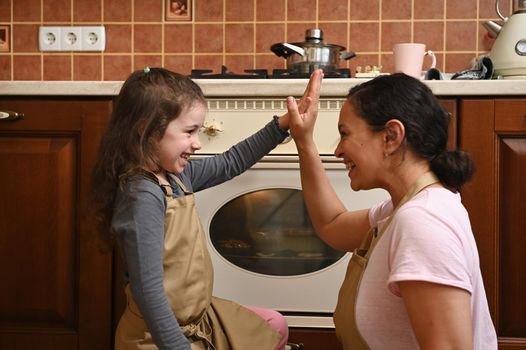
(74, 38)
(93, 38)
(49, 39)
(70, 39)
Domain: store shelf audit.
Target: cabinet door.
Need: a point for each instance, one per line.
(56, 285)
(494, 132)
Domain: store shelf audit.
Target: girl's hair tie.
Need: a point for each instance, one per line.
(146, 70)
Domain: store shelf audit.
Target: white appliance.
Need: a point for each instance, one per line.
(509, 49)
(307, 296)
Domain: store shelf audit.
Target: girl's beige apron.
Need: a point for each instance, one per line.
(344, 315)
(188, 278)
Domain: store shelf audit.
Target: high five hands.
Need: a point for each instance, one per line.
(302, 115)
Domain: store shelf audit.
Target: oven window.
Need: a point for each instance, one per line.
(269, 232)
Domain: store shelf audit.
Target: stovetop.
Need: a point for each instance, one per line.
(262, 74)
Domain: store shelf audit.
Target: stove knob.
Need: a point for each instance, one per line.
(212, 128)
(520, 47)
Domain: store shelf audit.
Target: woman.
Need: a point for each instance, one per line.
(414, 279)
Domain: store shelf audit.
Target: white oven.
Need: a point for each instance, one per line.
(263, 248)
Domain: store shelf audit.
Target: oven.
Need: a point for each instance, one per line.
(263, 247)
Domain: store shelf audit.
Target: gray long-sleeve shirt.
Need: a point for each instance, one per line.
(138, 222)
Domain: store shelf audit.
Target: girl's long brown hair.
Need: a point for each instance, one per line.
(149, 99)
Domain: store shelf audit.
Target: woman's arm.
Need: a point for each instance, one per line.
(440, 315)
(338, 227)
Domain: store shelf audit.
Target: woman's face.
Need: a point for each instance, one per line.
(181, 139)
(360, 148)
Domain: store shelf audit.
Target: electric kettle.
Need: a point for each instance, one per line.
(508, 53)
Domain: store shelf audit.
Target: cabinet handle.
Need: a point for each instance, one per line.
(10, 115)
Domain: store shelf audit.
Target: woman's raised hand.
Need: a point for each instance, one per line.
(302, 115)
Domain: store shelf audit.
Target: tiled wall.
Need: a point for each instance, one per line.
(238, 33)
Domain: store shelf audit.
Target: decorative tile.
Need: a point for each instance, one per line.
(26, 10)
(270, 10)
(425, 9)
(239, 10)
(334, 10)
(117, 67)
(25, 38)
(429, 33)
(57, 10)
(141, 61)
(238, 63)
(393, 33)
(148, 10)
(87, 11)
(461, 36)
(487, 9)
(364, 37)
(210, 10)
(465, 9)
(457, 62)
(301, 10)
(88, 68)
(147, 38)
(5, 11)
(387, 63)
(178, 38)
(270, 62)
(212, 62)
(57, 67)
(365, 10)
(117, 11)
(268, 34)
(179, 64)
(334, 33)
(208, 38)
(400, 9)
(27, 67)
(118, 38)
(239, 38)
(5, 67)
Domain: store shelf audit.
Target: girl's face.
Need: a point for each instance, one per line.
(360, 148)
(181, 139)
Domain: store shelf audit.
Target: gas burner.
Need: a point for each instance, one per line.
(286, 74)
(225, 74)
(263, 74)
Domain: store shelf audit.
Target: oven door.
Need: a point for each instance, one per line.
(263, 247)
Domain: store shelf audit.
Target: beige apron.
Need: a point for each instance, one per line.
(344, 315)
(208, 322)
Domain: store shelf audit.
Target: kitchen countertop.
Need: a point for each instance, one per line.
(259, 87)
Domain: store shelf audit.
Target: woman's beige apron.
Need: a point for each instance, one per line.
(345, 315)
(208, 322)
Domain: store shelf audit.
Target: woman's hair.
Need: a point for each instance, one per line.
(399, 96)
(149, 99)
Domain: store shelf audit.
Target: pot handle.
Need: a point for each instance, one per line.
(286, 50)
(347, 55)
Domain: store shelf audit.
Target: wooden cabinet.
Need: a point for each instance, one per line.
(494, 132)
(56, 284)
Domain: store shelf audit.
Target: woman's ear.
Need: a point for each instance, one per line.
(394, 134)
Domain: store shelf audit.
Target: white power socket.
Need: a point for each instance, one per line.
(74, 38)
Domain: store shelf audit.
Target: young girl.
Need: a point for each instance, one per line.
(143, 185)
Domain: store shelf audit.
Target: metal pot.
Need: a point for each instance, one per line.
(307, 56)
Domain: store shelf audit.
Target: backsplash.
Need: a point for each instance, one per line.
(238, 34)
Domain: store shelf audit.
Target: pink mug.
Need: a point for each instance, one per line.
(409, 58)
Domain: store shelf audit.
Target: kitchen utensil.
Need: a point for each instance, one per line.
(509, 49)
(313, 53)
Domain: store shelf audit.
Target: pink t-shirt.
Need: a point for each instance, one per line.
(429, 239)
